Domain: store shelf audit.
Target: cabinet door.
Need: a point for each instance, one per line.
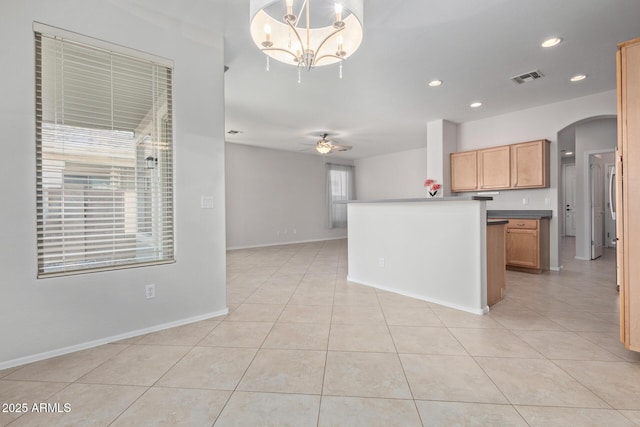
(494, 168)
(522, 248)
(464, 171)
(530, 164)
(496, 259)
(627, 188)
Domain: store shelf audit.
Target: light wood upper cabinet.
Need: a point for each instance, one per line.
(530, 164)
(464, 171)
(494, 168)
(627, 189)
(508, 167)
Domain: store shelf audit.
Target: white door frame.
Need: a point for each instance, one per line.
(564, 196)
(586, 205)
(610, 241)
(597, 174)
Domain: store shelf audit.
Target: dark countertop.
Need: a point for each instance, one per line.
(497, 221)
(524, 214)
(425, 199)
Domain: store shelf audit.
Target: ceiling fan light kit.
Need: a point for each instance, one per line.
(326, 34)
(324, 146)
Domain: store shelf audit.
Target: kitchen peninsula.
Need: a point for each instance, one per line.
(432, 249)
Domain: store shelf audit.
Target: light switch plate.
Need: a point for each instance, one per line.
(206, 202)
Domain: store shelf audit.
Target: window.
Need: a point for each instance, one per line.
(104, 183)
(340, 186)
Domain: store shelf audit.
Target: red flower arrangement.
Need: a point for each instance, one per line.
(433, 186)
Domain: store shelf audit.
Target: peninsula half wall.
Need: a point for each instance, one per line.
(430, 249)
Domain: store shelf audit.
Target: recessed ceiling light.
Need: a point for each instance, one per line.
(578, 77)
(554, 41)
(475, 104)
(435, 83)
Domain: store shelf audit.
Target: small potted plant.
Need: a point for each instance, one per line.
(432, 187)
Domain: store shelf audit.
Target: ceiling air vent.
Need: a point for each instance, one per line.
(527, 77)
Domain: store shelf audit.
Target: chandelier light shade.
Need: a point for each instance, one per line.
(307, 33)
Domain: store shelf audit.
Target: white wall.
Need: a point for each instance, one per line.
(442, 140)
(594, 136)
(271, 193)
(392, 176)
(566, 141)
(44, 317)
(433, 250)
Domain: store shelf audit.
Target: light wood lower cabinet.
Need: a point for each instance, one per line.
(496, 273)
(527, 242)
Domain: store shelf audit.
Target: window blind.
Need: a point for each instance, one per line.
(340, 187)
(104, 158)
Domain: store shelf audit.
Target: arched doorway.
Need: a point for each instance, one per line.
(584, 148)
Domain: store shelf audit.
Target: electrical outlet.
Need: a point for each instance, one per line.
(547, 201)
(381, 262)
(525, 200)
(294, 231)
(150, 291)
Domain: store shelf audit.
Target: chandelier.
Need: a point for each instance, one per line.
(328, 34)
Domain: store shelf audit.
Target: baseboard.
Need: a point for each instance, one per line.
(484, 310)
(581, 258)
(95, 343)
(266, 245)
(552, 268)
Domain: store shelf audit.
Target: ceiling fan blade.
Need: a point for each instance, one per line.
(340, 147)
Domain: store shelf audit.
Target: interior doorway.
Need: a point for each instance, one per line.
(602, 224)
(610, 210)
(576, 143)
(569, 204)
(596, 203)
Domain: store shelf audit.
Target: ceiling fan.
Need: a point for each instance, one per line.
(325, 146)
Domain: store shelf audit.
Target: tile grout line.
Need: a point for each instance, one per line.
(260, 346)
(235, 389)
(404, 373)
(326, 354)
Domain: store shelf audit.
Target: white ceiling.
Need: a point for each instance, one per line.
(383, 102)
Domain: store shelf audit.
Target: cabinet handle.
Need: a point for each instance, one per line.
(520, 225)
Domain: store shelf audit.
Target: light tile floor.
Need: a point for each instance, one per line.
(303, 346)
